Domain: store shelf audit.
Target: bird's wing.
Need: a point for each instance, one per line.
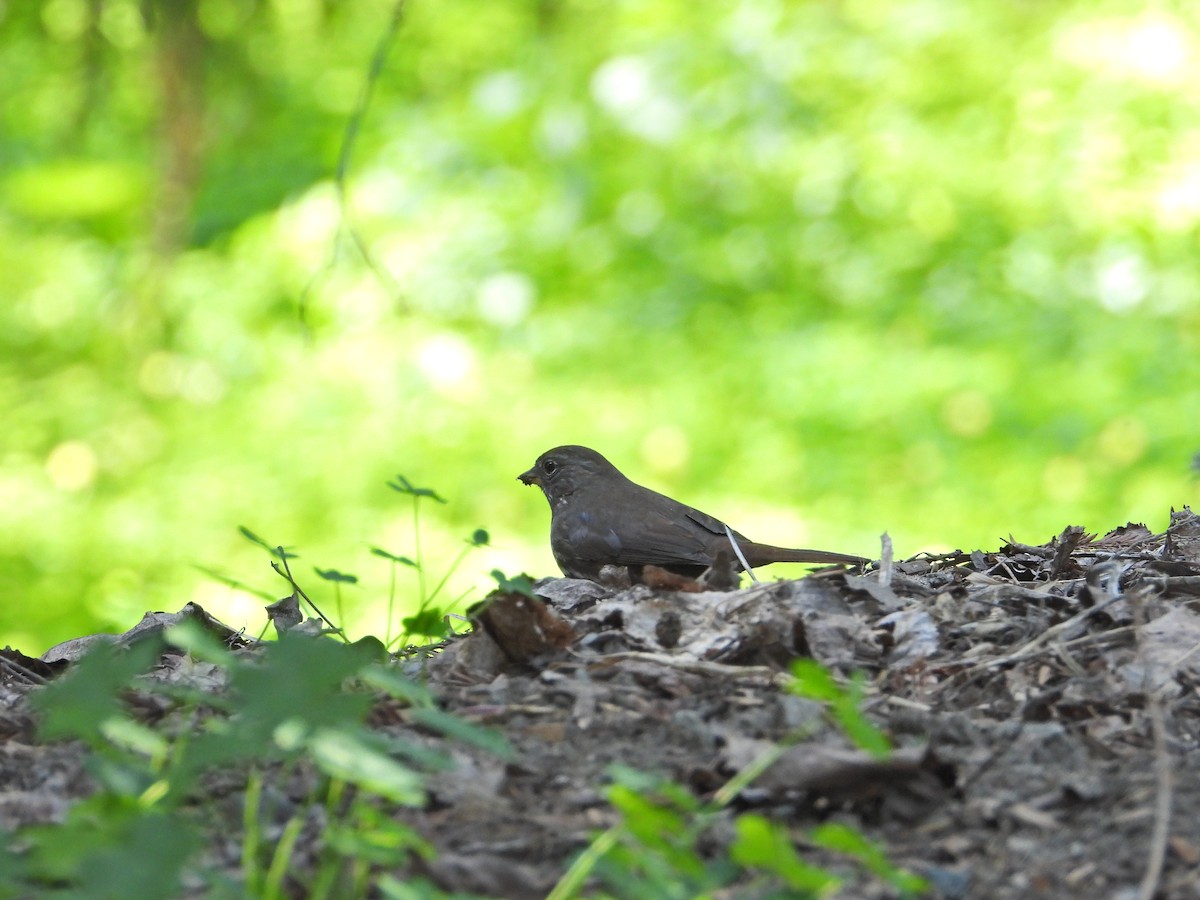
(664, 533)
(710, 524)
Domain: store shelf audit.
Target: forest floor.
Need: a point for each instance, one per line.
(1043, 704)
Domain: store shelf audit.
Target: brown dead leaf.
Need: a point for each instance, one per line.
(523, 627)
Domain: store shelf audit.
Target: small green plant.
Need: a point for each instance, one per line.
(403, 486)
(767, 847)
(427, 621)
(294, 709)
(517, 584)
(851, 842)
(395, 561)
(281, 553)
(338, 579)
(655, 850)
(812, 680)
(284, 570)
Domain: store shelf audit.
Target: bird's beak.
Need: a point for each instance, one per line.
(530, 477)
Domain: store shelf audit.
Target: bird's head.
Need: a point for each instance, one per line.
(562, 471)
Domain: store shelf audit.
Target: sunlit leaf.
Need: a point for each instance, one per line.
(279, 552)
(518, 584)
(763, 844)
(404, 486)
(403, 560)
(426, 623)
(335, 575)
(342, 754)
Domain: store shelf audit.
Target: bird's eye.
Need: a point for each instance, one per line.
(549, 466)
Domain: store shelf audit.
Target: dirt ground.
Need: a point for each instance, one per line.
(1043, 703)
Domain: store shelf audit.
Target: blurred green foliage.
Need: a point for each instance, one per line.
(822, 268)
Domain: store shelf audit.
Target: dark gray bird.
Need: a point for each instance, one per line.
(599, 517)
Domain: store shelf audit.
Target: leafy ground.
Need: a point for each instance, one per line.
(1041, 701)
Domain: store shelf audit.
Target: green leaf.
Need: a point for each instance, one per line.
(375, 837)
(763, 844)
(404, 486)
(75, 188)
(650, 823)
(518, 584)
(397, 685)
(135, 737)
(428, 758)
(234, 583)
(301, 677)
(111, 853)
(462, 730)
(125, 778)
(852, 842)
(279, 552)
(373, 647)
(862, 732)
(335, 575)
(146, 861)
(341, 753)
(403, 560)
(427, 623)
(193, 639)
(79, 703)
(814, 681)
(650, 785)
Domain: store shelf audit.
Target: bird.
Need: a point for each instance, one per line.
(600, 518)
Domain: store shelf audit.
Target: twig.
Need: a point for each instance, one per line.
(887, 559)
(1109, 554)
(1102, 637)
(1163, 775)
(1163, 796)
(993, 758)
(743, 778)
(1178, 661)
(17, 670)
(696, 666)
(573, 880)
(349, 138)
(1186, 584)
(1033, 647)
(287, 573)
(737, 551)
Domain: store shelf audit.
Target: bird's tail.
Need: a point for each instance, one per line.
(762, 554)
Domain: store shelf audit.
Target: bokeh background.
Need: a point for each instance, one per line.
(822, 268)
